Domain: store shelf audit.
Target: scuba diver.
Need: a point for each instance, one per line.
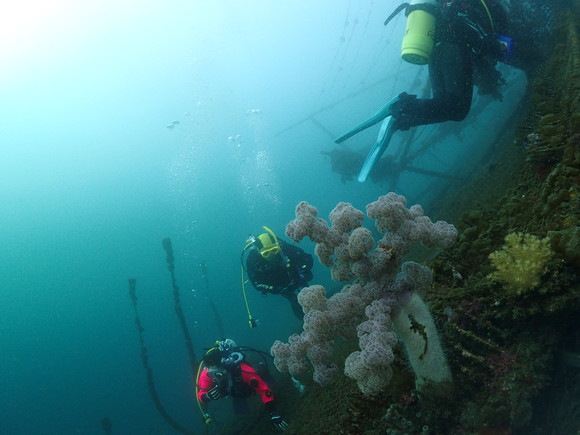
(223, 372)
(461, 41)
(277, 267)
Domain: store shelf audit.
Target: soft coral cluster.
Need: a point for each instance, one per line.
(380, 293)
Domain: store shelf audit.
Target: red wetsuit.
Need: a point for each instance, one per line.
(249, 377)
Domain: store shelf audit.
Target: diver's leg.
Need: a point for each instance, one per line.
(296, 307)
(451, 77)
(454, 90)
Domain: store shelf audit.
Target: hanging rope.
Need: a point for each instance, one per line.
(166, 243)
(216, 314)
(149, 373)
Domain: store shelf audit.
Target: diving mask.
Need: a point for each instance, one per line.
(267, 245)
(266, 253)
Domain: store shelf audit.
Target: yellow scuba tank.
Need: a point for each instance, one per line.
(419, 36)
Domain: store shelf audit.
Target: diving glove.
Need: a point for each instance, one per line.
(278, 422)
(215, 393)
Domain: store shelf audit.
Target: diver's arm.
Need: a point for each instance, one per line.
(255, 381)
(265, 279)
(205, 384)
(297, 255)
(252, 267)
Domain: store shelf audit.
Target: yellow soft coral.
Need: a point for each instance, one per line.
(521, 262)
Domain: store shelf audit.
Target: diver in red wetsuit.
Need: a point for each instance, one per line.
(223, 373)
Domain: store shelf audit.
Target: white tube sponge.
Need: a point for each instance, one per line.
(416, 329)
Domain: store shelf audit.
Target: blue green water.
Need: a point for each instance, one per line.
(123, 124)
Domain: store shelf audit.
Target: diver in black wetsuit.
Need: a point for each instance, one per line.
(462, 43)
(277, 267)
(465, 53)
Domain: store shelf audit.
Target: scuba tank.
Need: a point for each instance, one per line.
(422, 16)
(419, 39)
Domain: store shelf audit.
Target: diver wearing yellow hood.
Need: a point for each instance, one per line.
(277, 267)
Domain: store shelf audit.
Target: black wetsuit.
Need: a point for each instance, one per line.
(465, 47)
(281, 274)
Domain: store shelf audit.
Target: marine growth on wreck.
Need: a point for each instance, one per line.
(510, 335)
